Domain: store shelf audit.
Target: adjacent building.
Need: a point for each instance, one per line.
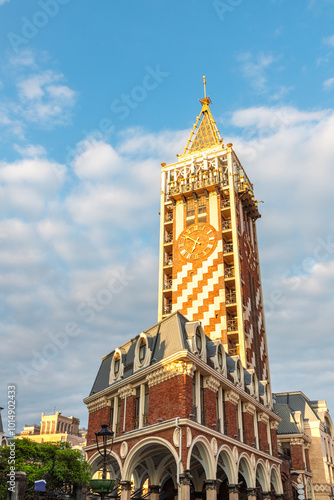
(306, 440)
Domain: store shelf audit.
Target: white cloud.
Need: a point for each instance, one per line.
(3, 1)
(30, 150)
(254, 67)
(274, 118)
(43, 99)
(328, 84)
(329, 41)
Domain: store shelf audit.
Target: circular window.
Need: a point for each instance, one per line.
(199, 340)
(220, 357)
(142, 351)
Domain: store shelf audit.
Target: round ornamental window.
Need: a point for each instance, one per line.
(199, 340)
(142, 351)
(220, 357)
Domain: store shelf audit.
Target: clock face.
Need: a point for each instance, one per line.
(249, 252)
(197, 241)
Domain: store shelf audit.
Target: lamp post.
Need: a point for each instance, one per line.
(104, 485)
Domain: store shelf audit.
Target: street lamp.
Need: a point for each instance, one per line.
(103, 486)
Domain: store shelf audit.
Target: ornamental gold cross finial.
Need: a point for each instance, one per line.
(204, 83)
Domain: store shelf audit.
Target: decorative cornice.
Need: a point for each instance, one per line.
(263, 417)
(233, 488)
(126, 391)
(274, 424)
(212, 383)
(169, 371)
(249, 408)
(307, 446)
(98, 404)
(185, 479)
(232, 397)
(297, 442)
(212, 484)
(125, 485)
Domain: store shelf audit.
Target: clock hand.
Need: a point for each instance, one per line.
(196, 242)
(188, 237)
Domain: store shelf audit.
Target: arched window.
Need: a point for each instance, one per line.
(220, 357)
(198, 340)
(117, 365)
(142, 351)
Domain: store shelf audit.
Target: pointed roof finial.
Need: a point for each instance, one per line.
(204, 83)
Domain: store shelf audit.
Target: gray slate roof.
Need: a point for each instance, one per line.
(298, 402)
(288, 424)
(164, 339)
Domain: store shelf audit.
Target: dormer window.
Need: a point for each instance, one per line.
(116, 366)
(142, 351)
(220, 357)
(198, 341)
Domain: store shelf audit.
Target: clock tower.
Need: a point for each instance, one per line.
(209, 264)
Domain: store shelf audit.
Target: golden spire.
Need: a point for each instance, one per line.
(204, 133)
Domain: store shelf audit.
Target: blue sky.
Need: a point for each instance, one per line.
(93, 97)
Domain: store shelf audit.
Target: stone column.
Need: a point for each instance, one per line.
(17, 491)
(251, 493)
(266, 495)
(154, 492)
(211, 486)
(185, 487)
(125, 490)
(233, 491)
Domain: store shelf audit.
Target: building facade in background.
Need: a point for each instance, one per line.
(56, 428)
(306, 441)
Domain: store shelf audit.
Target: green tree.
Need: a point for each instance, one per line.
(54, 462)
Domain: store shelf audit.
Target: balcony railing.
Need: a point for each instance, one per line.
(169, 217)
(225, 202)
(231, 298)
(168, 309)
(233, 351)
(228, 248)
(168, 284)
(169, 238)
(169, 260)
(197, 182)
(232, 325)
(229, 272)
(226, 224)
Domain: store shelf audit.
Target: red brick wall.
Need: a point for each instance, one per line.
(210, 407)
(297, 456)
(249, 428)
(95, 420)
(263, 436)
(273, 434)
(170, 399)
(307, 457)
(130, 413)
(231, 419)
